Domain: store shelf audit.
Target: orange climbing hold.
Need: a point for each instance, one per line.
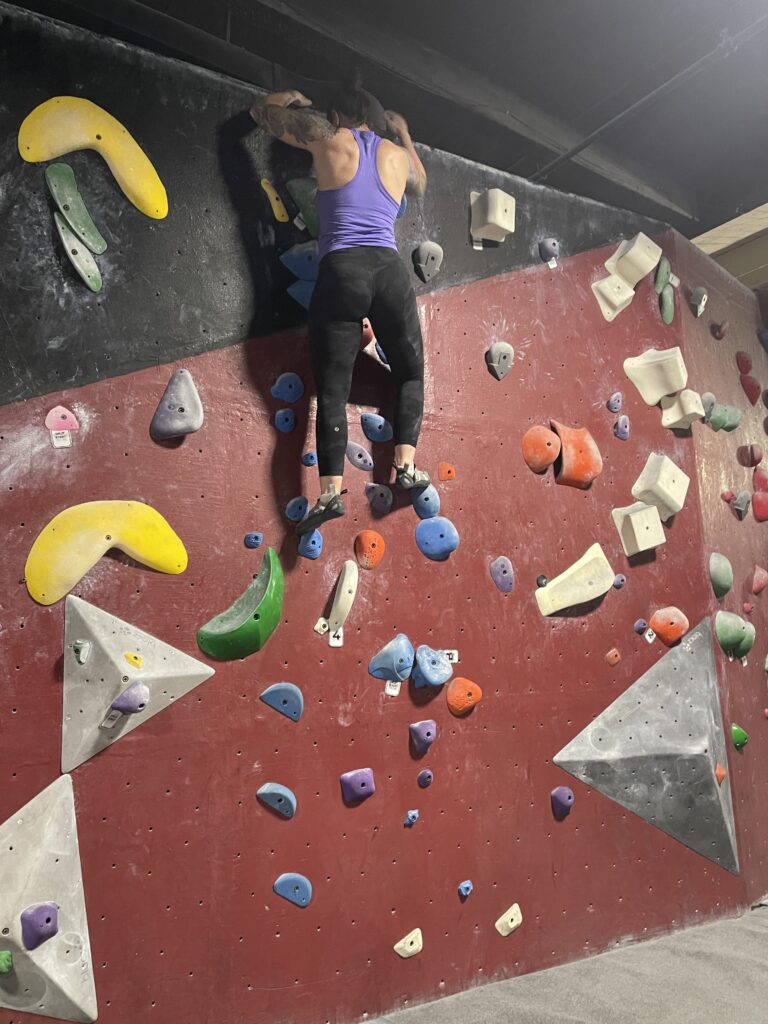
(540, 448)
(369, 549)
(613, 657)
(445, 471)
(462, 695)
(580, 459)
(669, 625)
(720, 774)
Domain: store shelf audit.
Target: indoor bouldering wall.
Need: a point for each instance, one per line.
(178, 856)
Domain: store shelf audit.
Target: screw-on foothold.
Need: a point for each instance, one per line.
(253, 540)
(81, 649)
(621, 428)
(619, 581)
(561, 799)
(411, 818)
(424, 778)
(6, 961)
(614, 402)
(541, 581)
(309, 459)
(466, 888)
(613, 657)
(719, 331)
(640, 626)
(285, 420)
(739, 736)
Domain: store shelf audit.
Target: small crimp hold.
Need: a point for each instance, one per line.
(466, 888)
(411, 818)
(561, 799)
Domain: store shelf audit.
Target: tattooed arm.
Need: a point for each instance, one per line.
(416, 184)
(299, 128)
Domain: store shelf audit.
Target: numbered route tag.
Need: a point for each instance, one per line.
(649, 635)
(336, 637)
(61, 439)
(113, 717)
(392, 687)
(452, 656)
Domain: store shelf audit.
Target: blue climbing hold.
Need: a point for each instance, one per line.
(375, 427)
(253, 540)
(431, 668)
(502, 574)
(279, 798)
(359, 457)
(621, 428)
(294, 888)
(381, 354)
(614, 402)
(286, 698)
(309, 459)
(302, 260)
(394, 660)
(285, 420)
(466, 888)
(289, 387)
(426, 501)
(425, 778)
(296, 509)
(619, 580)
(640, 626)
(311, 545)
(411, 818)
(379, 497)
(301, 292)
(402, 208)
(437, 538)
(763, 338)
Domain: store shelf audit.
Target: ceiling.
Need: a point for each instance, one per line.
(658, 107)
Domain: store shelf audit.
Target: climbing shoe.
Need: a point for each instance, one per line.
(409, 477)
(329, 506)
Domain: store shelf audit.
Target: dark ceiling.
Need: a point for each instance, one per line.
(659, 107)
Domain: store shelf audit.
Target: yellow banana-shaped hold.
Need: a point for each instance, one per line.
(74, 540)
(277, 204)
(64, 124)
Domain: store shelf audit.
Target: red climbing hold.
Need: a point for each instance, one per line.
(445, 471)
(727, 497)
(760, 480)
(462, 695)
(580, 459)
(759, 580)
(748, 608)
(749, 454)
(540, 448)
(744, 362)
(751, 387)
(613, 657)
(760, 506)
(719, 773)
(369, 549)
(669, 625)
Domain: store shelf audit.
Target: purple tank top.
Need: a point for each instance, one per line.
(361, 212)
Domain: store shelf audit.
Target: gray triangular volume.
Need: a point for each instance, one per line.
(179, 411)
(40, 863)
(118, 656)
(656, 748)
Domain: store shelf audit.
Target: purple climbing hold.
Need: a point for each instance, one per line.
(621, 428)
(311, 545)
(426, 501)
(296, 509)
(357, 785)
(425, 778)
(381, 354)
(437, 538)
(359, 457)
(289, 387)
(614, 402)
(411, 818)
(562, 801)
(253, 540)
(502, 574)
(39, 923)
(423, 735)
(285, 420)
(379, 497)
(619, 580)
(133, 699)
(640, 626)
(309, 459)
(375, 427)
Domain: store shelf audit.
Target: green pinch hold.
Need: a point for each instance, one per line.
(303, 192)
(718, 417)
(667, 304)
(60, 179)
(739, 736)
(663, 274)
(720, 573)
(78, 254)
(245, 626)
(732, 418)
(735, 635)
(6, 961)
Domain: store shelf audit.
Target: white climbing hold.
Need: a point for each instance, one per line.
(657, 372)
(639, 527)
(613, 295)
(588, 578)
(493, 216)
(344, 597)
(410, 944)
(510, 920)
(679, 411)
(662, 484)
(633, 259)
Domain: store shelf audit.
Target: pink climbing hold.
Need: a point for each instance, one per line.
(60, 418)
(727, 496)
(759, 480)
(759, 580)
(749, 455)
(760, 506)
(748, 608)
(751, 388)
(744, 362)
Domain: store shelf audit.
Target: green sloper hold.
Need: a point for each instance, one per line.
(663, 273)
(303, 191)
(246, 626)
(734, 634)
(718, 417)
(667, 304)
(732, 418)
(60, 179)
(6, 961)
(739, 736)
(720, 573)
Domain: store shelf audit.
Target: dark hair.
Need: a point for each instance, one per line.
(354, 102)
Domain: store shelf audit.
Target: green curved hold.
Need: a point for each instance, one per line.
(718, 417)
(735, 635)
(663, 274)
(720, 573)
(667, 304)
(303, 191)
(246, 625)
(732, 418)
(78, 254)
(6, 961)
(60, 179)
(739, 736)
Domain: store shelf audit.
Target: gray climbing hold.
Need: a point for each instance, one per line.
(279, 798)
(621, 428)
(133, 699)
(741, 503)
(39, 923)
(285, 420)
(357, 785)
(180, 410)
(499, 359)
(614, 402)
(422, 735)
(289, 387)
(81, 649)
(394, 660)
(549, 249)
(502, 574)
(425, 778)
(709, 401)
(379, 497)
(294, 887)
(286, 698)
(698, 300)
(359, 457)
(427, 259)
(411, 818)
(426, 501)
(296, 509)
(619, 581)
(431, 668)
(375, 427)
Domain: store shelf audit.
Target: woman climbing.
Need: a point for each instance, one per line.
(361, 180)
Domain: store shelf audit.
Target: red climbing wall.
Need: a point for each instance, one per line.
(178, 856)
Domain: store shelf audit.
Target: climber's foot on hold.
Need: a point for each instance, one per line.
(409, 477)
(329, 506)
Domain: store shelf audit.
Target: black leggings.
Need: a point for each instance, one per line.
(366, 281)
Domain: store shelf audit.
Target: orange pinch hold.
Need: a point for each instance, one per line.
(445, 471)
(369, 549)
(669, 625)
(540, 448)
(580, 459)
(720, 773)
(613, 657)
(462, 695)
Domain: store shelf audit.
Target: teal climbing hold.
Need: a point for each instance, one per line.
(279, 798)
(294, 887)
(431, 668)
(301, 292)
(720, 573)
(394, 660)
(375, 427)
(734, 634)
(302, 260)
(286, 698)
(426, 501)
(437, 538)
